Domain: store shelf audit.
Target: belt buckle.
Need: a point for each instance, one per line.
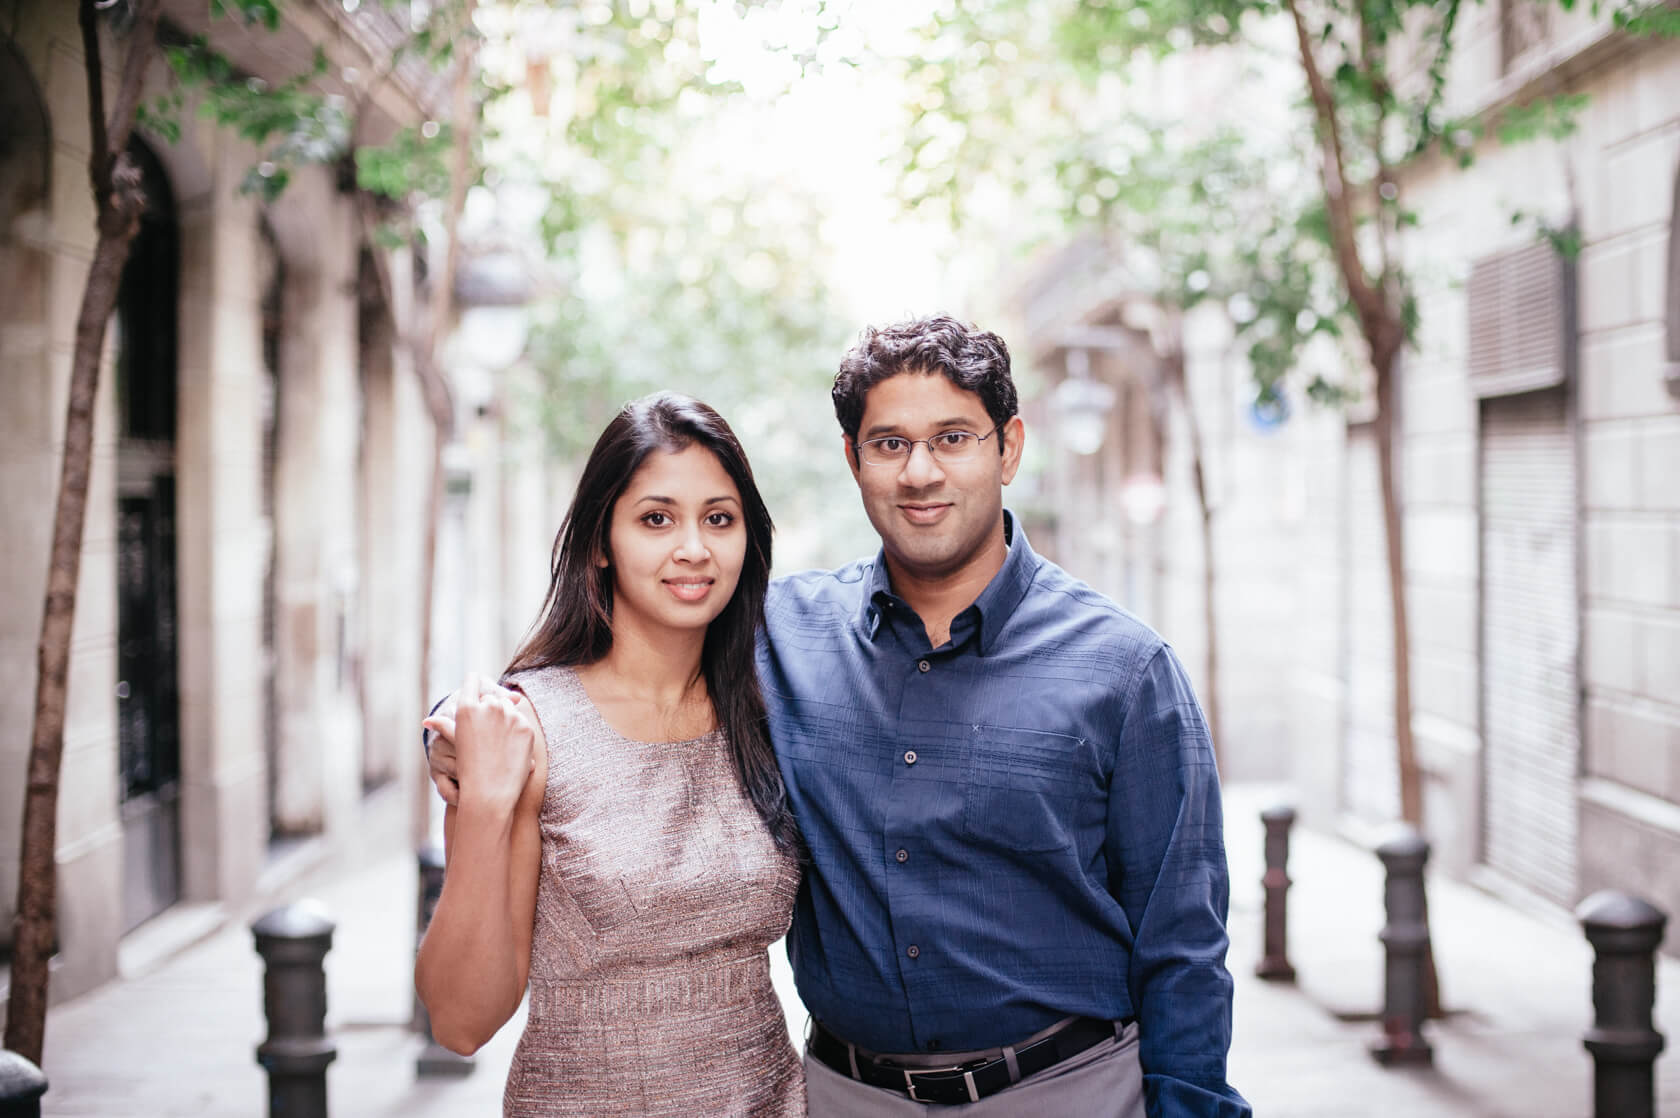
(968, 1080)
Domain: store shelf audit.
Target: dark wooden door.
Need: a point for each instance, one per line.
(148, 688)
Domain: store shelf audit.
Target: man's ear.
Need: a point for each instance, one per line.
(851, 456)
(1014, 436)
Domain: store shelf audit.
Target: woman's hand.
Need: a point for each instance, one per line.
(491, 746)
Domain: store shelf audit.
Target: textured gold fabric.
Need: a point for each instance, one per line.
(660, 893)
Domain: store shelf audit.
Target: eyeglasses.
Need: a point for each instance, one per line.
(947, 446)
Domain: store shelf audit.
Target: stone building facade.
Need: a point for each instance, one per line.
(1540, 466)
(246, 656)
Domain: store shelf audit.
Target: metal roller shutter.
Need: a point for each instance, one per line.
(1529, 641)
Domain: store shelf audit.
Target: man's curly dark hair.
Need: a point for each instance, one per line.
(974, 360)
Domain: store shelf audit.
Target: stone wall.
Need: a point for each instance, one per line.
(1615, 179)
(347, 577)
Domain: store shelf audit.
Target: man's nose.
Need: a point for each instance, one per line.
(921, 468)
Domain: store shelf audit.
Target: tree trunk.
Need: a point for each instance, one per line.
(1169, 386)
(116, 191)
(1405, 750)
(34, 929)
(1177, 376)
(428, 569)
(442, 309)
(1377, 310)
(1210, 612)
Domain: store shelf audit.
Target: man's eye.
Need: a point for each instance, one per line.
(891, 446)
(951, 440)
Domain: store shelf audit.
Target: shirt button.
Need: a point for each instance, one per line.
(933, 1045)
(902, 855)
(923, 666)
(913, 951)
(909, 756)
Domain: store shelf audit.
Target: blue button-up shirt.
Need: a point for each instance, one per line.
(1019, 825)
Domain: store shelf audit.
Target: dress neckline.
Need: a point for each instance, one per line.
(569, 673)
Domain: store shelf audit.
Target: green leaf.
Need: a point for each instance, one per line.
(263, 12)
(267, 187)
(1657, 20)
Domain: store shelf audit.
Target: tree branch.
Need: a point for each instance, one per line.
(1339, 207)
(460, 169)
(409, 334)
(1437, 71)
(135, 65)
(1371, 62)
(99, 152)
(117, 198)
(399, 53)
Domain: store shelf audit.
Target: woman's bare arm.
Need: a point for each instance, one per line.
(476, 955)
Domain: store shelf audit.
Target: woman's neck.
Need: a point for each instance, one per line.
(663, 668)
(650, 687)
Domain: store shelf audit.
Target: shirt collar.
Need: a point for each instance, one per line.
(995, 604)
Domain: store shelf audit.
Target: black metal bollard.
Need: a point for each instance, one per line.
(1274, 963)
(1625, 933)
(21, 1086)
(1405, 941)
(293, 942)
(434, 1058)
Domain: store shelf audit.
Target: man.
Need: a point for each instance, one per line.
(1017, 887)
(1017, 891)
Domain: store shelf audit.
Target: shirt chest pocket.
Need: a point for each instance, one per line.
(1031, 791)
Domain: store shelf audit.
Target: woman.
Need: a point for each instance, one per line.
(619, 836)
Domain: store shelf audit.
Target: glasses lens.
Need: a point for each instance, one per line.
(953, 445)
(884, 452)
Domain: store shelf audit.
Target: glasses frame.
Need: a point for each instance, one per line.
(927, 442)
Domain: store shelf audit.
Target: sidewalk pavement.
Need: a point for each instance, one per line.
(175, 1038)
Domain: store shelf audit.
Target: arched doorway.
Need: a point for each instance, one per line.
(26, 161)
(148, 688)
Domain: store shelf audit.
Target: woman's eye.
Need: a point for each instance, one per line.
(656, 520)
(720, 520)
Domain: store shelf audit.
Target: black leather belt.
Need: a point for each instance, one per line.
(962, 1082)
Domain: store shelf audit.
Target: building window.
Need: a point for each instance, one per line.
(1522, 321)
(1524, 26)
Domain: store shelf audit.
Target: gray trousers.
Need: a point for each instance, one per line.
(1104, 1081)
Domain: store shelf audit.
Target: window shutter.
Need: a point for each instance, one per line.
(1522, 321)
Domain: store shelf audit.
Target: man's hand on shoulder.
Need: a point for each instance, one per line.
(442, 759)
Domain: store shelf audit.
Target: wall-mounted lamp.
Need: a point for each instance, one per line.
(1081, 405)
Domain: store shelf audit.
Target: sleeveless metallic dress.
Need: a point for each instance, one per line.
(660, 894)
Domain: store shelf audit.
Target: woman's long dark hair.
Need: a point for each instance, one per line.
(575, 626)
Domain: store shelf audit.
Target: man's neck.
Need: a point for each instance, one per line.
(937, 599)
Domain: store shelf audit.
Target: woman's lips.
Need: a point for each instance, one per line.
(689, 589)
